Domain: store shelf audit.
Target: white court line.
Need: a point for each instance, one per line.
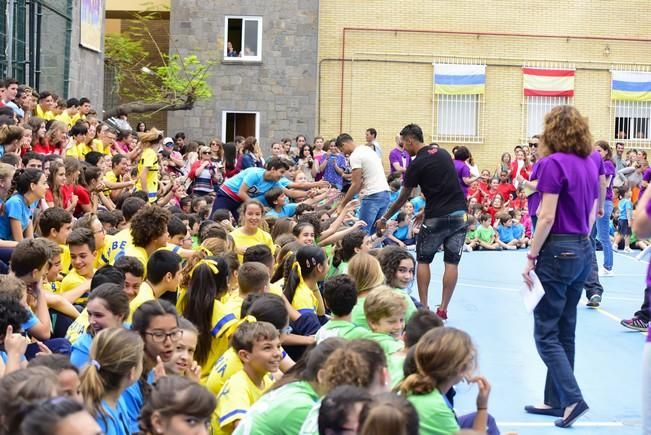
(514, 290)
(621, 254)
(580, 423)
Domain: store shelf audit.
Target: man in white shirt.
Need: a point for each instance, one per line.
(368, 180)
(11, 86)
(371, 142)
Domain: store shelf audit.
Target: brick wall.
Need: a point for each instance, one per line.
(387, 81)
(281, 87)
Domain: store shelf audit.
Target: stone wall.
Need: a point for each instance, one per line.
(282, 87)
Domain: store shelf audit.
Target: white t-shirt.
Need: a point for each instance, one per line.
(373, 178)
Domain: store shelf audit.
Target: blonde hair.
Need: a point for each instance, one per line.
(566, 131)
(440, 355)
(217, 245)
(6, 171)
(365, 269)
(383, 302)
(249, 333)
(114, 352)
(10, 133)
(151, 137)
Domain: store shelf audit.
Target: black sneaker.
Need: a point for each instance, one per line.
(635, 324)
(594, 301)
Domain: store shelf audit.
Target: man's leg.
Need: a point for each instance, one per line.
(423, 275)
(450, 276)
(592, 285)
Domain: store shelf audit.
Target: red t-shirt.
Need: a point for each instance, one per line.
(506, 189)
(83, 199)
(525, 171)
(65, 192)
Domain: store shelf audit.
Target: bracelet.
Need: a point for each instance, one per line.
(531, 257)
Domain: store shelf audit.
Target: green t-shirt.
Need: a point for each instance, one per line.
(396, 363)
(359, 319)
(311, 424)
(485, 234)
(435, 416)
(341, 328)
(471, 235)
(279, 412)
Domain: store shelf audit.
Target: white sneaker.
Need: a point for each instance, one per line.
(511, 248)
(628, 250)
(467, 248)
(605, 272)
(615, 247)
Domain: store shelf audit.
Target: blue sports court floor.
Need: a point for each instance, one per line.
(488, 305)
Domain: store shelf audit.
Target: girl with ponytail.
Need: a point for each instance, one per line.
(116, 362)
(28, 188)
(309, 266)
(444, 357)
(201, 305)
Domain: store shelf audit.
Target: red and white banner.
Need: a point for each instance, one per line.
(539, 82)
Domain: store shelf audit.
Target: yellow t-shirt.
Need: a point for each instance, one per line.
(78, 327)
(43, 115)
(226, 366)
(145, 293)
(66, 119)
(73, 151)
(122, 240)
(222, 321)
(73, 280)
(304, 300)
(66, 264)
(243, 240)
(233, 303)
(105, 255)
(235, 399)
(275, 289)
(139, 253)
(149, 160)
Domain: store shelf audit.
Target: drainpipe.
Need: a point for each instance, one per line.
(66, 53)
(9, 49)
(460, 33)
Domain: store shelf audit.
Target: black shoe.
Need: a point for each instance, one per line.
(580, 409)
(595, 301)
(552, 412)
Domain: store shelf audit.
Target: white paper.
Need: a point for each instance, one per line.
(531, 297)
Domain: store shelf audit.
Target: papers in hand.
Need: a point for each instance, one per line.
(531, 296)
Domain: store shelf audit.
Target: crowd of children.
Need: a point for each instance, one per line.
(155, 285)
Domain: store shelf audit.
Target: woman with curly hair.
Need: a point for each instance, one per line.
(561, 252)
(148, 233)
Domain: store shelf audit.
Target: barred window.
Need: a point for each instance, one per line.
(631, 120)
(536, 108)
(459, 118)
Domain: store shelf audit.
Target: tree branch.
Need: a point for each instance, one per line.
(140, 107)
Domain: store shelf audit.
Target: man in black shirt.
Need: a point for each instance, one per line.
(444, 219)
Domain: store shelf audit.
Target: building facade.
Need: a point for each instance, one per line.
(377, 64)
(46, 47)
(265, 86)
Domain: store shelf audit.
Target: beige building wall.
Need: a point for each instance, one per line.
(387, 70)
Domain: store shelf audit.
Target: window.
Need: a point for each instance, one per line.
(243, 38)
(631, 120)
(536, 108)
(236, 123)
(458, 118)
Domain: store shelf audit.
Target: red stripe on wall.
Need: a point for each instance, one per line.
(549, 72)
(537, 93)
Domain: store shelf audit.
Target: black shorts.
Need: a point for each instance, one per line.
(449, 231)
(623, 227)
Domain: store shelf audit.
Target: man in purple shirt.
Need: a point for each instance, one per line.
(399, 159)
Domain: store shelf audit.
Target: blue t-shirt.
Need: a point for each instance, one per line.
(518, 231)
(418, 202)
(401, 233)
(394, 195)
(115, 421)
(134, 400)
(31, 321)
(624, 206)
(254, 179)
(505, 233)
(15, 208)
(288, 210)
(79, 356)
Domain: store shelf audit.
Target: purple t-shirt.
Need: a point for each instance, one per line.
(399, 156)
(645, 177)
(648, 271)
(533, 200)
(463, 171)
(609, 171)
(577, 186)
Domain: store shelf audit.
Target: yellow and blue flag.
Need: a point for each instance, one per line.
(456, 79)
(631, 86)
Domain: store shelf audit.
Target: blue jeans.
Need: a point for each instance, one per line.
(592, 285)
(603, 234)
(372, 208)
(563, 265)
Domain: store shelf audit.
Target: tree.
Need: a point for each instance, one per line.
(151, 80)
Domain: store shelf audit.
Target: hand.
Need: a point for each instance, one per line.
(359, 224)
(194, 372)
(381, 224)
(323, 183)
(159, 369)
(73, 200)
(530, 266)
(392, 225)
(401, 243)
(14, 343)
(42, 349)
(484, 390)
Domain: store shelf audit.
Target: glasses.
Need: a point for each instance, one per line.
(534, 145)
(205, 152)
(159, 336)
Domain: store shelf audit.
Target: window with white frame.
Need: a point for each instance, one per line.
(237, 123)
(537, 107)
(243, 38)
(459, 118)
(632, 120)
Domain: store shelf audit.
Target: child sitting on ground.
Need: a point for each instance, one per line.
(471, 235)
(82, 257)
(258, 346)
(486, 234)
(340, 296)
(505, 236)
(252, 277)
